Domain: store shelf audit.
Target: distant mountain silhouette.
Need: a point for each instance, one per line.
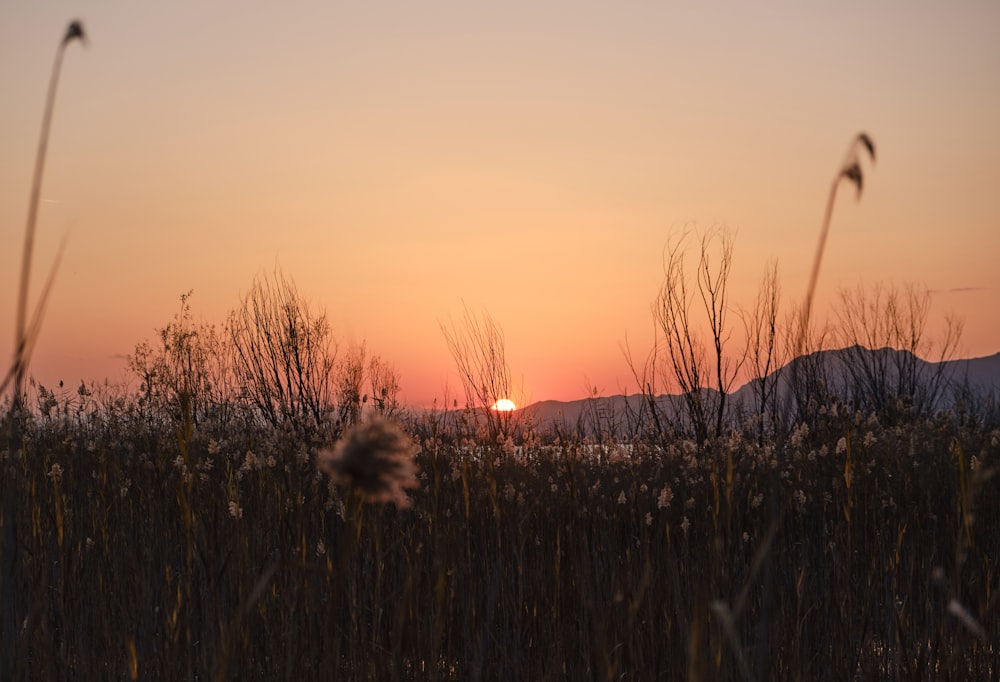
(843, 372)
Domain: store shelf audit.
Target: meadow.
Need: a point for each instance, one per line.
(161, 537)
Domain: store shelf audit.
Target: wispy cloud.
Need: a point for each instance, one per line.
(958, 290)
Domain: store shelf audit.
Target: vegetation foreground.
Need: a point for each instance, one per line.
(147, 549)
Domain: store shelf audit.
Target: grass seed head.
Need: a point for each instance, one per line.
(74, 32)
(375, 461)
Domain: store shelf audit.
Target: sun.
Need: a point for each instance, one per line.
(504, 405)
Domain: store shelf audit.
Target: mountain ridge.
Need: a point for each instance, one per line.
(975, 376)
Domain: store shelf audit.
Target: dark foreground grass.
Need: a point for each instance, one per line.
(155, 552)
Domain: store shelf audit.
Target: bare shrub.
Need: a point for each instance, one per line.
(187, 373)
(882, 331)
(476, 345)
(765, 352)
(807, 377)
(349, 385)
(703, 371)
(384, 382)
(284, 355)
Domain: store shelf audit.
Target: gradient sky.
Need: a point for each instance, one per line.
(530, 159)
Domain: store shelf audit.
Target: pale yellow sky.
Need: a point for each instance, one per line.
(526, 158)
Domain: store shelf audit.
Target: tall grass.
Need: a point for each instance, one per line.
(25, 329)
(853, 547)
(850, 170)
(26, 332)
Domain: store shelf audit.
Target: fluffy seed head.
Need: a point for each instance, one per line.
(375, 461)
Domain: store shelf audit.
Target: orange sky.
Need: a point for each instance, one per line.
(399, 159)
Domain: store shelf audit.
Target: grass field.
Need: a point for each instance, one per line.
(153, 549)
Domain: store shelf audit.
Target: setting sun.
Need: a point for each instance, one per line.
(504, 405)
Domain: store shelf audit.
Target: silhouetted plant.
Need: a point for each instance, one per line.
(25, 329)
(26, 332)
(850, 170)
(808, 377)
(703, 370)
(284, 356)
(765, 352)
(477, 347)
(385, 386)
(882, 331)
(186, 372)
(365, 384)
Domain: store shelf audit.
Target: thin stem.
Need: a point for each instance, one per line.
(22, 341)
(817, 259)
(850, 170)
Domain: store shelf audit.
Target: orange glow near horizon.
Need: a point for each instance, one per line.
(504, 405)
(398, 162)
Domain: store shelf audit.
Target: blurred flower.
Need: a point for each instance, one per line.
(375, 460)
(249, 461)
(666, 495)
(842, 445)
(55, 473)
(235, 510)
(799, 434)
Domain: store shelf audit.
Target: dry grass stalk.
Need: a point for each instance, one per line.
(850, 170)
(25, 331)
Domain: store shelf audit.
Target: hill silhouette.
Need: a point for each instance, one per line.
(846, 373)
